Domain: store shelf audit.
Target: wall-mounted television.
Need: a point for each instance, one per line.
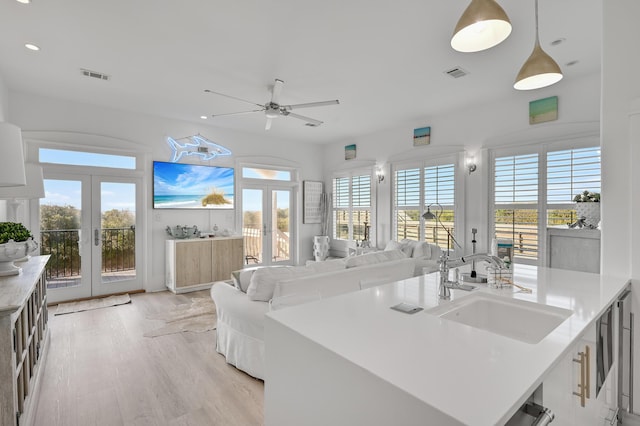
(189, 186)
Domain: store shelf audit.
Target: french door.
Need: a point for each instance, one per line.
(266, 224)
(88, 226)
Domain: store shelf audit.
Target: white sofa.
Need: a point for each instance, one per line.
(241, 307)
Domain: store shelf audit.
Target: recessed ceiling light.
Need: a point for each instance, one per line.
(571, 63)
(31, 46)
(24, 1)
(558, 41)
(204, 117)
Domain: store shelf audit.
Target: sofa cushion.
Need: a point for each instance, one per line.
(405, 245)
(422, 250)
(375, 257)
(327, 265)
(264, 280)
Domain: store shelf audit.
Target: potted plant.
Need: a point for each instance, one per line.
(16, 243)
(588, 208)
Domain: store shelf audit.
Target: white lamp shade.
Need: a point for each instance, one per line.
(540, 70)
(33, 189)
(11, 156)
(483, 25)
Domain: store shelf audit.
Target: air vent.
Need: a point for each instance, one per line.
(94, 74)
(456, 72)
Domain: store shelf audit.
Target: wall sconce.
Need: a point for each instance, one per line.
(471, 164)
(380, 174)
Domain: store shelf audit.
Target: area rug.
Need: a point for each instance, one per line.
(197, 316)
(86, 305)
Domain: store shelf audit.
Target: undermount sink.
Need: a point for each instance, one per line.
(517, 319)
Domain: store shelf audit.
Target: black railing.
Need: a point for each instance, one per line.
(118, 251)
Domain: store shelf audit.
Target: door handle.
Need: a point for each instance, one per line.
(96, 237)
(264, 229)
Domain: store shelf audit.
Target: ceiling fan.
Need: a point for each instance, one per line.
(273, 108)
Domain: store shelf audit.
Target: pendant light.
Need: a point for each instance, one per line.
(540, 70)
(483, 24)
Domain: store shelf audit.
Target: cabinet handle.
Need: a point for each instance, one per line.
(582, 394)
(587, 367)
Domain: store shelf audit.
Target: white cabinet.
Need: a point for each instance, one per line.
(569, 390)
(195, 264)
(23, 340)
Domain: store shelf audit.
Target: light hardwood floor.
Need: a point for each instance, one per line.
(100, 370)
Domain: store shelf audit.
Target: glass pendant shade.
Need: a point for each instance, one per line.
(540, 70)
(483, 24)
(12, 158)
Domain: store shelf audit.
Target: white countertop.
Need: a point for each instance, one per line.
(472, 375)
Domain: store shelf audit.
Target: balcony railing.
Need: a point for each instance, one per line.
(63, 245)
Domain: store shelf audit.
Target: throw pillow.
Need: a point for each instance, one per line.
(242, 277)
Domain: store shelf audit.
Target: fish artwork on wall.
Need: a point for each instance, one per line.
(196, 145)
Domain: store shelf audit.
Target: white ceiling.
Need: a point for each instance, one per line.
(384, 60)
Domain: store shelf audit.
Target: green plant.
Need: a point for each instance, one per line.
(13, 231)
(587, 197)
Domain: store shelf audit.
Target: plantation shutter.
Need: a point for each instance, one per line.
(516, 203)
(439, 187)
(569, 173)
(352, 207)
(407, 203)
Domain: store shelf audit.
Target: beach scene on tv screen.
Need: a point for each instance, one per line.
(188, 186)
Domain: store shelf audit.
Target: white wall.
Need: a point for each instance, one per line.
(620, 152)
(474, 129)
(4, 107)
(147, 133)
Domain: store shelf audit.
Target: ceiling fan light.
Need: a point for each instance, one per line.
(271, 113)
(483, 25)
(540, 70)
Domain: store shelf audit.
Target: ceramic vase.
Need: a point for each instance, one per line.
(320, 247)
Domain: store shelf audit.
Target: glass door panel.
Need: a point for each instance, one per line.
(62, 222)
(118, 231)
(114, 241)
(252, 225)
(280, 224)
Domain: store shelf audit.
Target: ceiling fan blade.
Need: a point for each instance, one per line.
(237, 113)
(267, 126)
(311, 104)
(233, 97)
(276, 91)
(311, 121)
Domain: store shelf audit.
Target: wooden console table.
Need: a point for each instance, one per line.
(23, 340)
(194, 264)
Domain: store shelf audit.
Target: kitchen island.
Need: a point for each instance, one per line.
(351, 360)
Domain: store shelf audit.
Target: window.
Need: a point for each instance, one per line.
(415, 190)
(352, 207)
(569, 173)
(516, 203)
(535, 189)
(80, 158)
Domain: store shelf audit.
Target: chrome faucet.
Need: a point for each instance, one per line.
(444, 291)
